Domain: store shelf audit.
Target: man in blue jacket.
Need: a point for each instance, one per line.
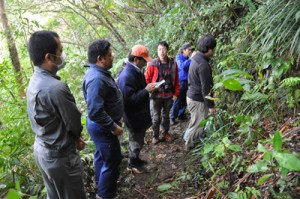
(183, 61)
(136, 104)
(105, 111)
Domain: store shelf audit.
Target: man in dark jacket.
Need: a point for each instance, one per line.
(136, 104)
(200, 85)
(183, 62)
(105, 111)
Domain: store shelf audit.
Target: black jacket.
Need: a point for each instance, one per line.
(200, 81)
(136, 98)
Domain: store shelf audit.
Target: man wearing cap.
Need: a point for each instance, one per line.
(136, 104)
(105, 110)
(163, 69)
(183, 62)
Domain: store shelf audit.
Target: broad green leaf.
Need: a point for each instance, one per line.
(288, 161)
(252, 96)
(247, 87)
(13, 194)
(239, 119)
(164, 187)
(260, 166)
(249, 139)
(208, 148)
(226, 141)
(233, 195)
(243, 80)
(284, 171)
(267, 156)
(218, 85)
(235, 72)
(203, 123)
(261, 148)
(277, 141)
(219, 150)
(235, 147)
(232, 84)
(18, 185)
(262, 179)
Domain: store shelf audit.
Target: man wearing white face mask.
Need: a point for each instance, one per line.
(55, 120)
(63, 58)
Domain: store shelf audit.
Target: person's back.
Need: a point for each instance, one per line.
(200, 84)
(45, 86)
(200, 78)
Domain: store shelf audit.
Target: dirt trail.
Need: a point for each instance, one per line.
(166, 162)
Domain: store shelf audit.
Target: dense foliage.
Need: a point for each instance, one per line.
(255, 72)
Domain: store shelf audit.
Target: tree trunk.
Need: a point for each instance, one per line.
(12, 48)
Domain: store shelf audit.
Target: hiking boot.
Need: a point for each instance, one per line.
(137, 161)
(141, 162)
(136, 168)
(155, 140)
(173, 122)
(182, 117)
(167, 137)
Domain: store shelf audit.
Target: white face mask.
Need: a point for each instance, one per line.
(63, 58)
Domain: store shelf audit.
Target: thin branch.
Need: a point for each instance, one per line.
(136, 10)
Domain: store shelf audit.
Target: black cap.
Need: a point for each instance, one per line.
(187, 46)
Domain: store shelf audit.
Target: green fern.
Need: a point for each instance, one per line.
(297, 94)
(290, 82)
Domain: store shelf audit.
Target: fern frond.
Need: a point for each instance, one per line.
(290, 82)
(297, 94)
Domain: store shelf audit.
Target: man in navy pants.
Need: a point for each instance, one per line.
(136, 104)
(105, 110)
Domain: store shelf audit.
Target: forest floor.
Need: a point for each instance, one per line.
(174, 173)
(166, 175)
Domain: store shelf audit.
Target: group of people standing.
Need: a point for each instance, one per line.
(55, 119)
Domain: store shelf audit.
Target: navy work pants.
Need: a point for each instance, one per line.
(107, 159)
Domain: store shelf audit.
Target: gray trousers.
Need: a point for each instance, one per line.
(161, 112)
(62, 173)
(136, 142)
(198, 113)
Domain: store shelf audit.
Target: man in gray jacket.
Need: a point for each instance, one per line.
(200, 84)
(55, 120)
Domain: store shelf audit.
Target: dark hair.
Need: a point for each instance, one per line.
(131, 58)
(163, 43)
(41, 43)
(99, 47)
(206, 42)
